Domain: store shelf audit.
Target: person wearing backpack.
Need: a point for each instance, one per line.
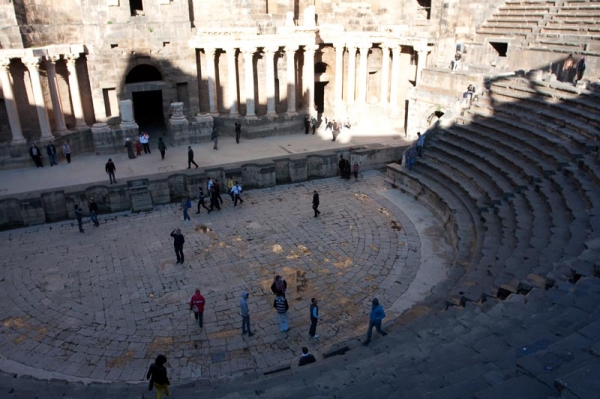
(377, 315)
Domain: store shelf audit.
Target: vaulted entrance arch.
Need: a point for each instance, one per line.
(144, 85)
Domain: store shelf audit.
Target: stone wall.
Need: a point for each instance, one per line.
(58, 204)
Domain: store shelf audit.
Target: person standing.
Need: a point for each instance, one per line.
(411, 156)
(162, 147)
(238, 131)
(36, 155)
(315, 203)
(341, 164)
(191, 157)
(355, 169)
(79, 217)
(566, 69)
(138, 148)
(306, 124)
(217, 188)
(215, 138)
(314, 318)
(67, 151)
(178, 241)
(229, 187)
(129, 146)
(457, 58)
(197, 306)
(375, 318)
(313, 124)
(306, 357)
(281, 304)
(157, 374)
(214, 201)
(236, 190)
(420, 144)
(209, 184)
(110, 168)
(145, 140)
(245, 312)
(347, 169)
(279, 285)
(51, 151)
(579, 69)
(93, 207)
(185, 206)
(201, 201)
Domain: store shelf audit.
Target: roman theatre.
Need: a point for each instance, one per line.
(483, 252)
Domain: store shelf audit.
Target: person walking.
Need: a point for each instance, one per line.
(51, 151)
(178, 241)
(314, 318)
(110, 168)
(157, 374)
(279, 285)
(36, 155)
(347, 169)
(214, 201)
(375, 318)
(238, 131)
(162, 147)
(197, 306)
(341, 165)
(229, 187)
(306, 124)
(355, 169)
(93, 207)
(67, 151)
(79, 217)
(145, 140)
(313, 124)
(315, 203)
(245, 312)
(191, 157)
(420, 144)
(579, 69)
(201, 201)
(281, 304)
(410, 157)
(214, 136)
(129, 146)
(185, 206)
(236, 190)
(306, 357)
(217, 188)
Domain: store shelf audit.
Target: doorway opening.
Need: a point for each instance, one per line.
(320, 96)
(148, 110)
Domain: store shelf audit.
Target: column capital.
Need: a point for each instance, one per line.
(291, 48)
(228, 49)
(351, 48)
(337, 45)
(4, 63)
(248, 51)
(31, 62)
(422, 48)
(396, 49)
(365, 46)
(51, 58)
(311, 47)
(71, 58)
(209, 51)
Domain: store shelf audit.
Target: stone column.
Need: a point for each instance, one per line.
(385, 74)
(421, 61)
(33, 66)
(290, 52)
(309, 76)
(59, 117)
(9, 101)
(363, 73)
(395, 78)
(232, 81)
(339, 75)
(269, 59)
(75, 92)
(351, 73)
(249, 72)
(177, 117)
(126, 113)
(212, 82)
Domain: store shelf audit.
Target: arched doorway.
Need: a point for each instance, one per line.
(321, 80)
(145, 83)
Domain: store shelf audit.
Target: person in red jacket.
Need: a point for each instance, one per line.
(197, 306)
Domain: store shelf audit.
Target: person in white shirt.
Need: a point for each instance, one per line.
(236, 190)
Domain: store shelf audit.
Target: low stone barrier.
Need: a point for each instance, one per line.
(58, 204)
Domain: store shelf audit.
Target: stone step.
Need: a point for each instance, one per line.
(519, 387)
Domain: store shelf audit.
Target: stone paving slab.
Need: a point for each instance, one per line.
(100, 306)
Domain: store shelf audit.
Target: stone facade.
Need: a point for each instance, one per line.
(268, 63)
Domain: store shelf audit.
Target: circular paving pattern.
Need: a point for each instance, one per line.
(103, 304)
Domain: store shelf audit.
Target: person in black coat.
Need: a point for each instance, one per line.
(315, 203)
(306, 358)
(36, 155)
(51, 151)
(191, 157)
(157, 374)
(178, 241)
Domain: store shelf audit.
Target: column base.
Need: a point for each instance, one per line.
(251, 117)
(272, 115)
(60, 133)
(213, 114)
(129, 125)
(19, 141)
(234, 115)
(203, 118)
(291, 113)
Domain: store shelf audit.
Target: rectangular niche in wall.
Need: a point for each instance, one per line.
(136, 7)
(183, 95)
(499, 48)
(111, 103)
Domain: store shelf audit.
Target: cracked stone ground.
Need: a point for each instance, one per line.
(103, 304)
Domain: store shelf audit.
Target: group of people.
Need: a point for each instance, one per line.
(346, 170)
(93, 208)
(213, 187)
(414, 151)
(143, 143)
(336, 127)
(569, 66)
(36, 154)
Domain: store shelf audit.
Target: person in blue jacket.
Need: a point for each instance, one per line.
(377, 315)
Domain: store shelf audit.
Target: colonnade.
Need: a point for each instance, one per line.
(33, 65)
(356, 83)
